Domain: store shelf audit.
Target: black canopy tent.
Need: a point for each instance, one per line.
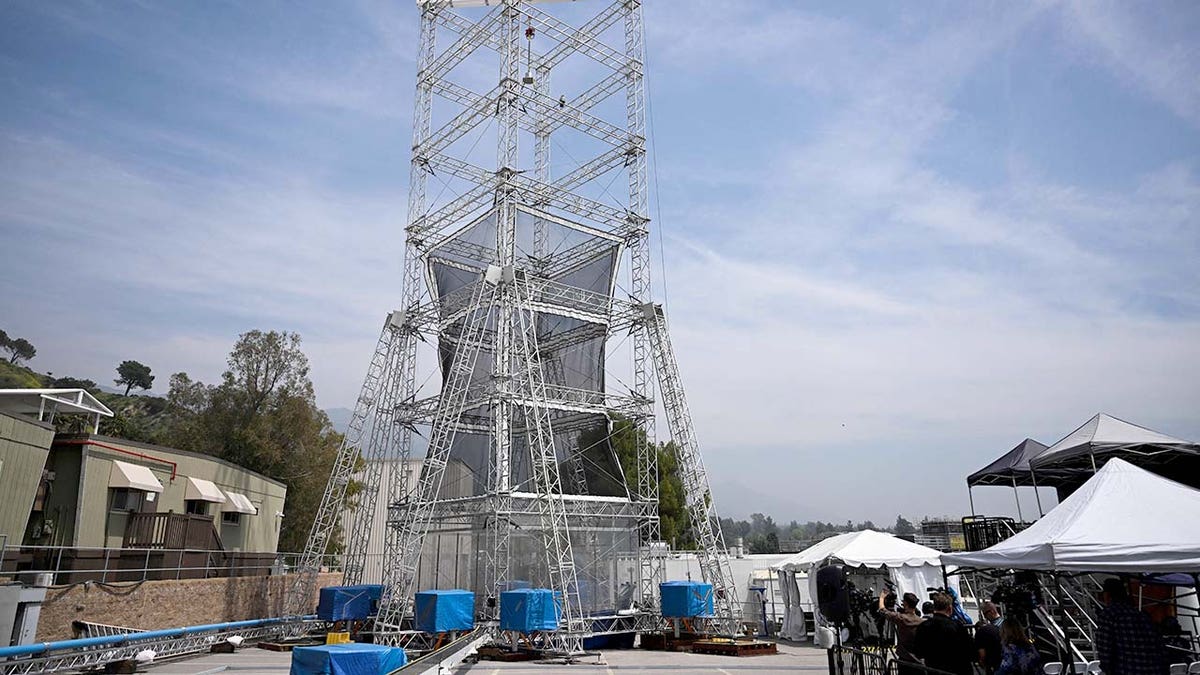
(1010, 470)
(1071, 461)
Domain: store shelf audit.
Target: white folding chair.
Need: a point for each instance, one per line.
(1052, 669)
(1194, 668)
(1179, 668)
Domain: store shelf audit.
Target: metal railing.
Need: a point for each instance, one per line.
(981, 532)
(846, 660)
(68, 565)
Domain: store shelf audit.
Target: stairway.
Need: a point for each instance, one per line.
(1068, 612)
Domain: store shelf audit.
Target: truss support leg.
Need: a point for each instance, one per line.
(714, 557)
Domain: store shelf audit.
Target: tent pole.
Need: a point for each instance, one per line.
(971, 496)
(1037, 493)
(1017, 497)
(1092, 456)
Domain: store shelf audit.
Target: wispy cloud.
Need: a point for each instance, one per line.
(1153, 50)
(871, 262)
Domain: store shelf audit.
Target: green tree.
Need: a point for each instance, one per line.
(903, 526)
(621, 437)
(19, 349)
(262, 416)
(73, 383)
(134, 374)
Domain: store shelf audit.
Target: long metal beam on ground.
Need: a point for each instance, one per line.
(86, 653)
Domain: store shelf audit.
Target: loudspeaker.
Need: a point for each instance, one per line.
(833, 596)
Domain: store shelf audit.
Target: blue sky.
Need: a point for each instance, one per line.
(899, 238)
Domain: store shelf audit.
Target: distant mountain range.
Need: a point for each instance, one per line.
(339, 418)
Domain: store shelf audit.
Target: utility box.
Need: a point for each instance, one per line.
(529, 610)
(686, 599)
(348, 603)
(445, 611)
(20, 608)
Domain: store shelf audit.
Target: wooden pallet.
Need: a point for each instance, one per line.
(493, 653)
(734, 647)
(668, 642)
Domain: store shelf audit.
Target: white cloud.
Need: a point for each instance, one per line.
(1157, 61)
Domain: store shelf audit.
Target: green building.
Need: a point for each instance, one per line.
(88, 491)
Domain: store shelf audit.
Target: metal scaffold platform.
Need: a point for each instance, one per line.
(526, 290)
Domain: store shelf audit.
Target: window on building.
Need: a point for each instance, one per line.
(231, 518)
(197, 507)
(127, 499)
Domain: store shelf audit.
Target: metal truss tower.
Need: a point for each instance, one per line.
(527, 114)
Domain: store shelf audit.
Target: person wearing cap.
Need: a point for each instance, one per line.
(906, 621)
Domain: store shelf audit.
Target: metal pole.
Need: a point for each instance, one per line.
(1017, 497)
(1036, 493)
(971, 497)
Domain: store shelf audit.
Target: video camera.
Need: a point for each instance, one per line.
(1019, 597)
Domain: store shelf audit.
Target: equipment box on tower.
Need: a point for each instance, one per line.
(348, 603)
(529, 610)
(686, 599)
(445, 611)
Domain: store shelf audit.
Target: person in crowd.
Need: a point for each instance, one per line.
(906, 621)
(1127, 642)
(1018, 656)
(958, 613)
(987, 637)
(942, 642)
(927, 609)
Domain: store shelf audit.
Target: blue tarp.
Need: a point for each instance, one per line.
(347, 659)
(528, 610)
(443, 611)
(348, 603)
(685, 599)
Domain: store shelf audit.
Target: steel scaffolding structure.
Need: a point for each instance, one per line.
(513, 273)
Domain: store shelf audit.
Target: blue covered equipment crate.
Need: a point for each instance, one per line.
(686, 599)
(444, 611)
(348, 603)
(529, 610)
(347, 659)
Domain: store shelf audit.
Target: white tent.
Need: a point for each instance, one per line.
(1124, 519)
(912, 567)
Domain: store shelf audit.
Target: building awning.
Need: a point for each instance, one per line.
(238, 503)
(203, 490)
(133, 476)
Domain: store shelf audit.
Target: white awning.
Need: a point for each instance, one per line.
(203, 490)
(238, 503)
(133, 476)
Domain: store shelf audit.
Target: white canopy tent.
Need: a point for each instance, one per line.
(1123, 519)
(912, 567)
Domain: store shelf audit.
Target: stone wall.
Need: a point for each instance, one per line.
(153, 605)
